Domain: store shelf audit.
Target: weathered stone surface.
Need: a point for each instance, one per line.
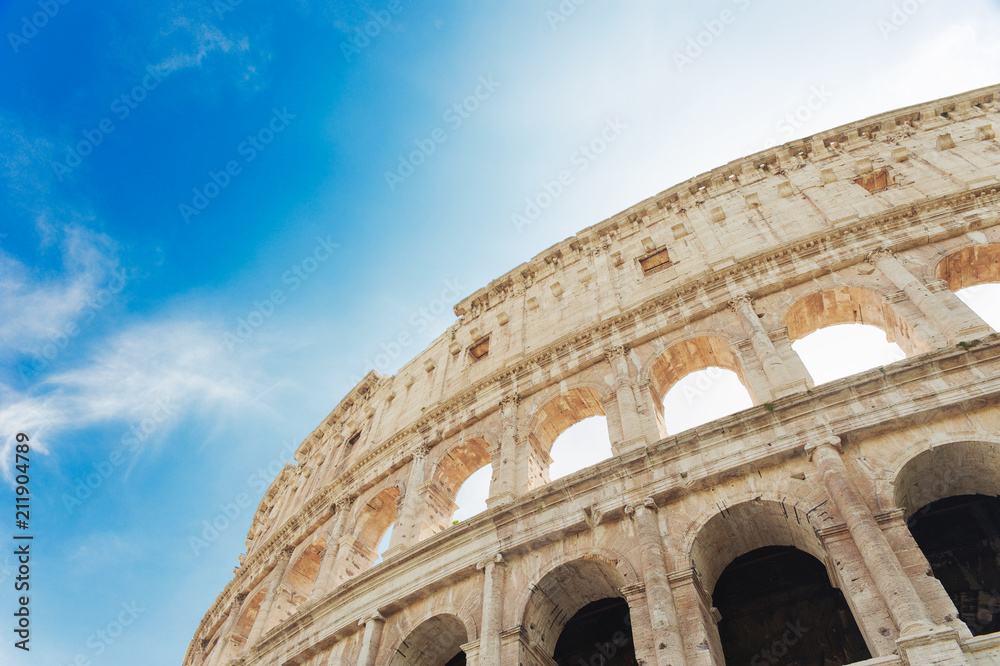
(875, 222)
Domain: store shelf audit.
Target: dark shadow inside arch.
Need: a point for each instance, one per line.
(457, 660)
(599, 633)
(960, 537)
(779, 608)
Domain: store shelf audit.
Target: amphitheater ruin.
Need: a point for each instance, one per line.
(849, 522)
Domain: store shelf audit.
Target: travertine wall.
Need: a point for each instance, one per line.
(875, 222)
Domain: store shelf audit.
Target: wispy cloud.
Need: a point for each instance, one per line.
(203, 40)
(33, 307)
(182, 364)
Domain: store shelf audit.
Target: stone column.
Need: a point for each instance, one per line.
(640, 623)
(662, 611)
(227, 629)
(407, 530)
(697, 618)
(628, 409)
(783, 345)
(373, 625)
(778, 375)
(905, 606)
(492, 622)
(271, 596)
(652, 427)
(502, 485)
(955, 326)
(325, 579)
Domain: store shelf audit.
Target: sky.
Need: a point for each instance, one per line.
(216, 216)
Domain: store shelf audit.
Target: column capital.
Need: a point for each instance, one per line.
(832, 441)
(510, 400)
(740, 301)
(633, 591)
(373, 617)
(496, 560)
(421, 451)
(615, 352)
(238, 599)
(345, 503)
(878, 255)
(286, 553)
(644, 503)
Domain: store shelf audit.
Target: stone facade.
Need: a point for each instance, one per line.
(876, 222)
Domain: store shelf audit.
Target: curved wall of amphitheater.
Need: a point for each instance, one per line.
(876, 222)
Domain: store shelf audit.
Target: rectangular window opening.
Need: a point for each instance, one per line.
(655, 262)
(480, 348)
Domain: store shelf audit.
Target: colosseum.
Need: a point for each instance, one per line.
(854, 521)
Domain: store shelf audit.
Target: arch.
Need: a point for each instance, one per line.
(248, 614)
(377, 515)
(947, 469)
(776, 605)
(304, 570)
(434, 642)
(721, 536)
(452, 470)
(970, 267)
(563, 410)
(459, 462)
(690, 355)
(960, 537)
(566, 586)
(851, 305)
(973, 274)
(950, 493)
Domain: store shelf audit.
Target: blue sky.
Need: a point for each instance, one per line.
(214, 217)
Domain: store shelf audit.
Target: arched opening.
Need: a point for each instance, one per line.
(973, 274)
(471, 497)
(697, 381)
(844, 350)
(600, 632)
(304, 571)
(371, 536)
(960, 537)
(742, 538)
(461, 485)
(777, 606)
(984, 300)
(703, 396)
(383, 544)
(585, 445)
(579, 446)
(832, 332)
(435, 642)
(251, 607)
(248, 615)
(950, 495)
(571, 609)
(298, 583)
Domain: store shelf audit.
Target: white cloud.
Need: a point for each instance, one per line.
(33, 309)
(150, 373)
(206, 39)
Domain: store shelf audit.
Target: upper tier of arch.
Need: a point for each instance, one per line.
(756, 226)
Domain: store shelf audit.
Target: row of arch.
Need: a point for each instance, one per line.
(713, 357)
(775, 594)
(375, 516)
